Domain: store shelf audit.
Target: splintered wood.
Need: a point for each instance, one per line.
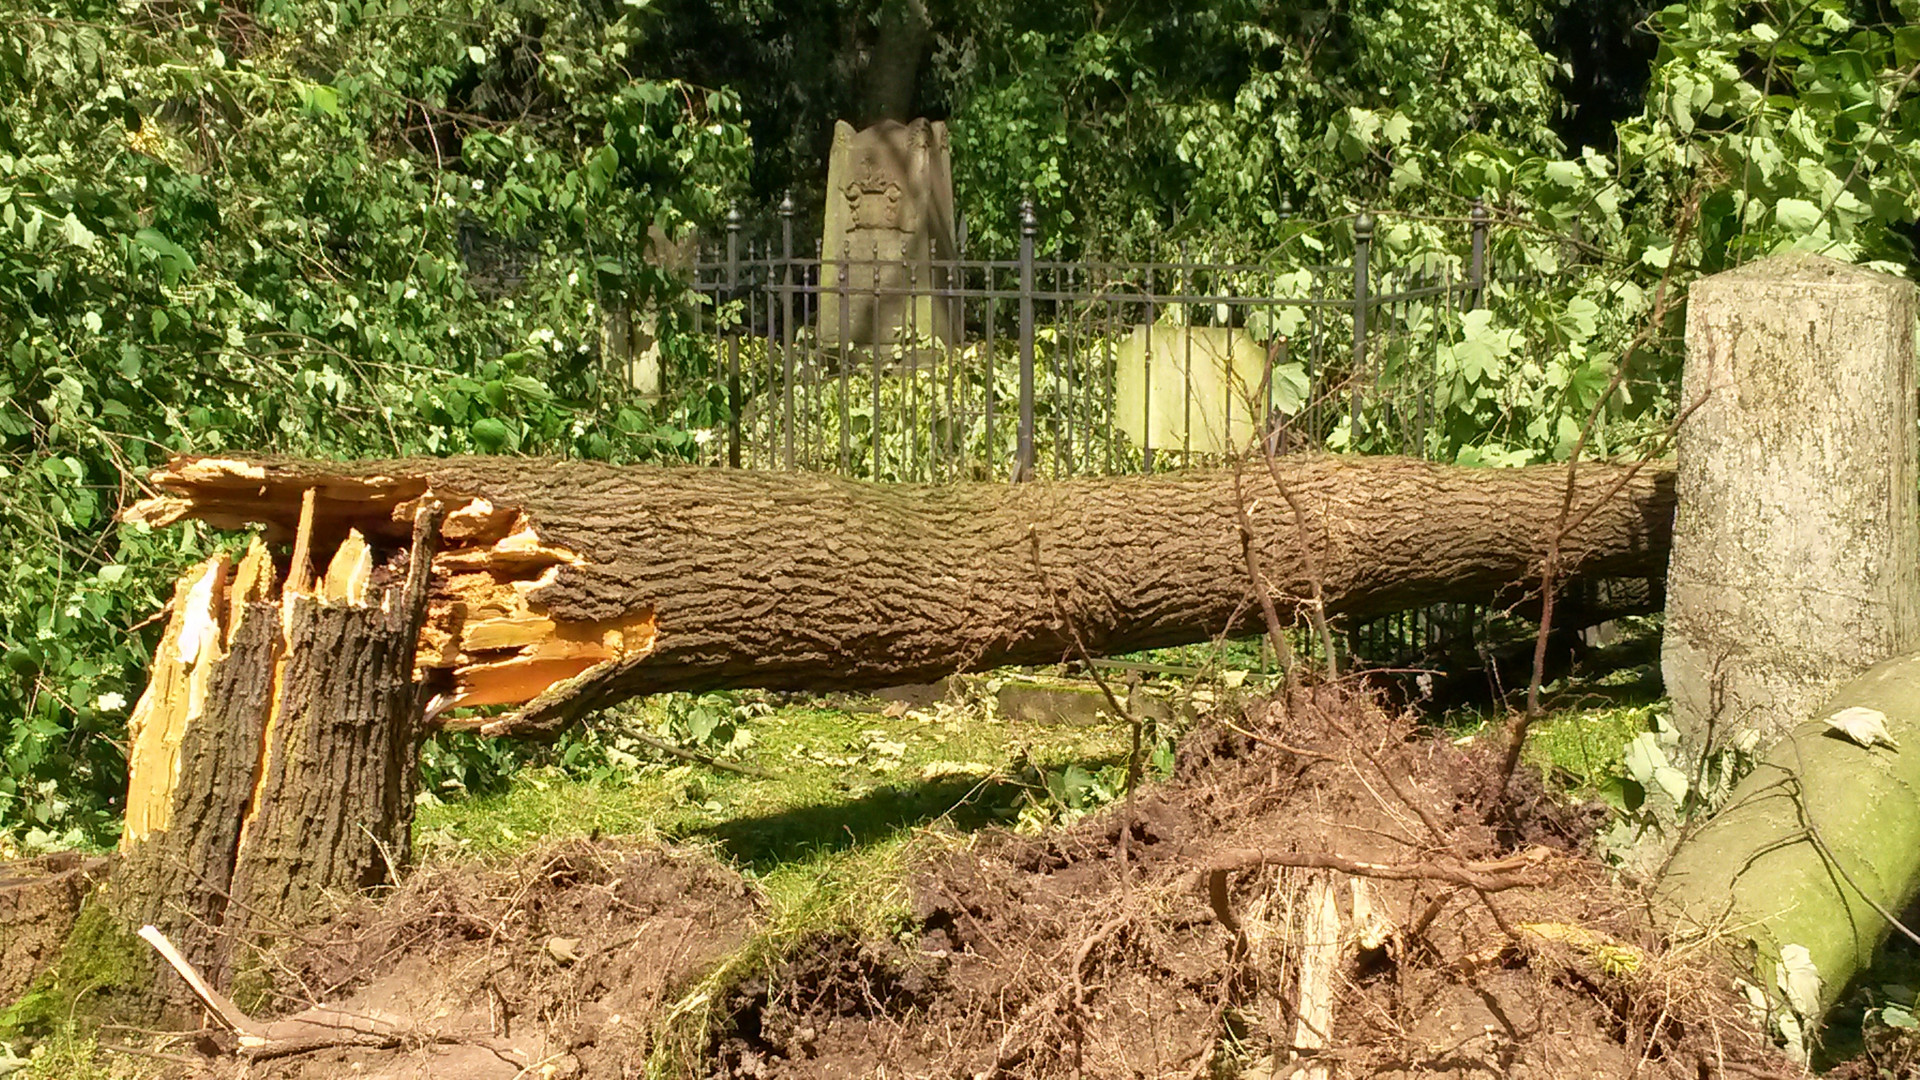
(484, 627)
(486, 641)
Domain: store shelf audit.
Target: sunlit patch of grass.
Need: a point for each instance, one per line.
(1581, 748)
(839, 778)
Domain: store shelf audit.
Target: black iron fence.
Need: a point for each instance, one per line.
(906, 369)
(941, 369)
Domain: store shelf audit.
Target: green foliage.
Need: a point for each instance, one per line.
(331, 228)
(1655, 795)
(1057, 798)
(1208, 116)
(1764, 130)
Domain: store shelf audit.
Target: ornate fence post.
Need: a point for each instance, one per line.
(1477, 267)
(734, 223)
(1362, 254)
(786, 329)
(1023, 452)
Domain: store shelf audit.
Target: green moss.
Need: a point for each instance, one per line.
(103, 970)
(68, 1053)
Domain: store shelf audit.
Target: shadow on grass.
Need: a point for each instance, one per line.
(767, 840)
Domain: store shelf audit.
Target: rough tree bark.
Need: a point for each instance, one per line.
(566, 586)
(273, 752)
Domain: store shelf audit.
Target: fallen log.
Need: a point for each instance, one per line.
(1814, 850)
(565, 586)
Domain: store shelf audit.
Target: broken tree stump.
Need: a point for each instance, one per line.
(1793, 556)
(273, 753)
(39, 900)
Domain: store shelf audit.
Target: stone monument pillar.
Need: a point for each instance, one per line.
(889, 223)
(630, 339)
(1796, 545)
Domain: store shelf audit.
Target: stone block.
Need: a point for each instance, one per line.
(1202, 383)
(1796, 545)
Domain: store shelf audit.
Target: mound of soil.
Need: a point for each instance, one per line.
(1320, 891)
(556, 966)
(1149, 943)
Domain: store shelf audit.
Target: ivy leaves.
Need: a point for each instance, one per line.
(308, 226)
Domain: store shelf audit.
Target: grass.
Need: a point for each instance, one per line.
(843, 778)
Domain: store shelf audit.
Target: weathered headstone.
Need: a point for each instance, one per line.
(1796, 545)
(1192, 388)
(889, 226)
(630, 338)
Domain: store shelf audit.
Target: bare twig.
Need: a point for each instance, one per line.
(1550, 566)
(1498, 875)
(1276, 632)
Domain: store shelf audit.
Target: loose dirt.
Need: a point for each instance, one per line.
(1457, 934)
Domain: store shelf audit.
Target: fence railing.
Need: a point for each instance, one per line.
(943, 369)
(949, 369)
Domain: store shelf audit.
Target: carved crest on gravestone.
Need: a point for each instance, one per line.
(888, 231)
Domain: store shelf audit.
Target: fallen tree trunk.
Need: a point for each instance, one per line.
(566, 586)
(273, 753)
(1815, 848)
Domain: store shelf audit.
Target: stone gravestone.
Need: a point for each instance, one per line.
(889, 221)
(1796, 546)
(1190, 387)
(630, 338)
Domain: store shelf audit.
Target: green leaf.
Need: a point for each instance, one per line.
(321, 99)
(1797, 216)
(77, 234)
(175, 262)
(490, 434)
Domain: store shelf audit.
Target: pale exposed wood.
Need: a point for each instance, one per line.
(507, 633)
(476, 521)
(1371, 929)
(300, 568)
(159, 511)
(216, 1002)
(1320, 955)
(521, 679)
(349, 571)
(518, 552)
(175, 694)
(218, 470)
(253, 582)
